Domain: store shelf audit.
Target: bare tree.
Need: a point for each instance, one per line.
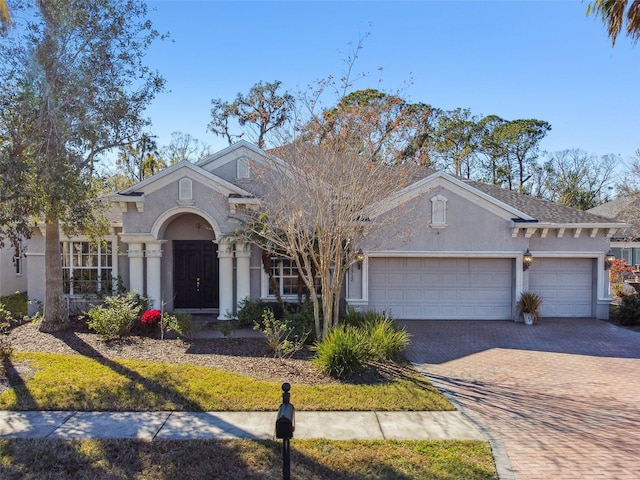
(184, 146)
(631, 178)
(314, 211)
(578, 179)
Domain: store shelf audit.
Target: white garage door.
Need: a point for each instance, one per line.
(441, 288)
(566, 286)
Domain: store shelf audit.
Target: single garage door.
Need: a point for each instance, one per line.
(566, 286)
(441, 288)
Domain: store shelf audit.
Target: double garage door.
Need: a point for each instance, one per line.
(442, 288)
(476, 288)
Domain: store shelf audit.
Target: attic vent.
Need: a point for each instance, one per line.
(185, 190)
(243, 168)
(438, 211)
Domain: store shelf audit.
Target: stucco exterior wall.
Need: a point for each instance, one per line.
(160, 203)
(35, 271)
(10, 281)
(469, 227)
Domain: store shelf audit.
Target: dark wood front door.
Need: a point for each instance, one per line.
(195, 273)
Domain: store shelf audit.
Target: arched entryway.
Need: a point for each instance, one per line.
(195, 274)
(191, 266)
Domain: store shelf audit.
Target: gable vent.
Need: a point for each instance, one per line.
(185, 190)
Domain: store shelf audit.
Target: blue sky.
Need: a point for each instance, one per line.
(516, 59)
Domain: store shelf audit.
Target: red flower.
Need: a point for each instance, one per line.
(151, 317)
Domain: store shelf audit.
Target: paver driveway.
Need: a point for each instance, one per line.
(562, 396)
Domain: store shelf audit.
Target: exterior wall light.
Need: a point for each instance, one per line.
(609, 258)
(359, 258)
(527, 260)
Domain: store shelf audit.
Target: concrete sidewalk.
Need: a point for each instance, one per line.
(230, 425)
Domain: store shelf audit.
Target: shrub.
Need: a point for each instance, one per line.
(365, 337)
(249, 312)
(16, 304)
(182, 324)
(280, 335)
(359, 318)
(6, 349)
(297, 316)
(300, 318)
(116, 316)
(151, 317)
(629, 310)
(342, 351)
(384, 339)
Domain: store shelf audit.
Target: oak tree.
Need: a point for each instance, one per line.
(259, 113)
(74, 87)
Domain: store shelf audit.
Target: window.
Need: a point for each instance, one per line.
(87, 268)
(17, 261)
(285, 277)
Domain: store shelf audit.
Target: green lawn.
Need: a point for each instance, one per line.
(74, 382)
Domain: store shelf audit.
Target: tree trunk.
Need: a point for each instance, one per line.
(55, 317)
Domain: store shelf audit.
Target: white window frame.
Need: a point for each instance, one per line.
(72, 267)
(280, 264)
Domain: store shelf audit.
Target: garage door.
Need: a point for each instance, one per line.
(441, 288)
(566, 286)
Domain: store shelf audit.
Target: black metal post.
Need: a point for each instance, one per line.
(286, 450)
(286, 460)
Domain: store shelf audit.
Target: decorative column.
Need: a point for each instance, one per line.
(225, 280)
(243, 277)
(522, 283)
(136, 268)
(154, 273)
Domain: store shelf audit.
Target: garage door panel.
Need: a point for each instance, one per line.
(441, 288)
(413, 295)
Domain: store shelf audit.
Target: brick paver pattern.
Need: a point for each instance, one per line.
(562, 395)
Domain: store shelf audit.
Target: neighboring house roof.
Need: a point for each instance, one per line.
(617, 208)
(624, 209)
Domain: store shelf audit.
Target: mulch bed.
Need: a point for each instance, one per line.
(248, 356)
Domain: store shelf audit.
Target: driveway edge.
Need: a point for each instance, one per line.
(500, 456)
